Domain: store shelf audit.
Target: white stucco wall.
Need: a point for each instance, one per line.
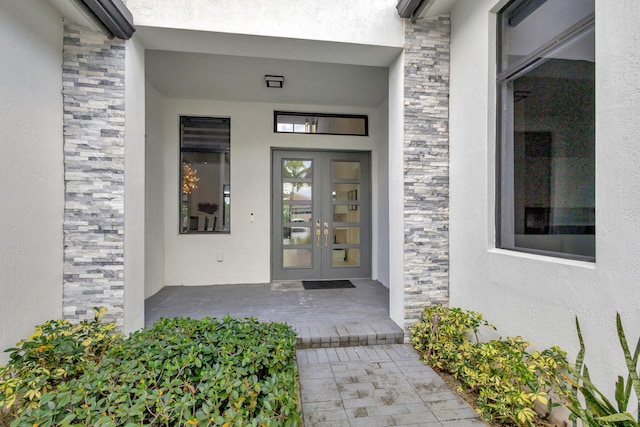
(191, 259)
(31, 172)
(154, 193)
(380, 211)
(374, 22)
(134, 188)
(536, 296)
(396, 190)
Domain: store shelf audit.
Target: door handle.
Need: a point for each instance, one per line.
(318, 244)
(326, 234)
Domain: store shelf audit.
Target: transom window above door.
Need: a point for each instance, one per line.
(205, 185)
(320, 123)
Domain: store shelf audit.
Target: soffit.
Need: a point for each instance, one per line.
(180, 40)
(231, 67)
(437, 7)
(239, 78)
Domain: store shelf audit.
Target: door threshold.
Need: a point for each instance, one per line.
(286, 285)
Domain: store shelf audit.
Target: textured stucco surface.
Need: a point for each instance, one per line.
(534, 296)
(31, 172)
(373, 22)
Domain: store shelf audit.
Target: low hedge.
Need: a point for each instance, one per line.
(511, 382)
(229, 372)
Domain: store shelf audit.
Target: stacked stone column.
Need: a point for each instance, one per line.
(426, 165)
(94, 123)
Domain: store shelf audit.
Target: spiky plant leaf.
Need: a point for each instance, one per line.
(622, 398)
(632, 362)
(624, 417)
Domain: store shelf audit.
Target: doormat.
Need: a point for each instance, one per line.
(327, 284)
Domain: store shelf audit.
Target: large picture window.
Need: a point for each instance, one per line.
(546, 128)
(205, 187)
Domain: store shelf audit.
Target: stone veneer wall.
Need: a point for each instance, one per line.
(426, 165)
(94, 120)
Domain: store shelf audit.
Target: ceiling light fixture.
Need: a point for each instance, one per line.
(274, 81)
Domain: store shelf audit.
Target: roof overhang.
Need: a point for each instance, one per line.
(113, 15)
(415, 9)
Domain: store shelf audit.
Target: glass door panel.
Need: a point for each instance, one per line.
(349, 257)
(346, 187)
(296, 177)
(296, 191)
(342, 213)
(296, 258)
(346, 170)
(346, 235)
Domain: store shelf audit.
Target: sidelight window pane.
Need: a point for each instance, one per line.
(205, 184)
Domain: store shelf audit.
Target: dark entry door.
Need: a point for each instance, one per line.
(321, 218)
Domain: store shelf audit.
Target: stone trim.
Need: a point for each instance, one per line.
(426, 165)
(94, 124)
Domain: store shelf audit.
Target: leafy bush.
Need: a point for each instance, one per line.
(507, 379)
(441, 331)
(597, 410)
(56, 352)
(183, 372)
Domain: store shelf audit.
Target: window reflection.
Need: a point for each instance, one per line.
(205, 188)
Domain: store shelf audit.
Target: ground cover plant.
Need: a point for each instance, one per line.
(509, 380)
(229, 372)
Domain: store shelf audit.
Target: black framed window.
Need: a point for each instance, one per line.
(320, 123)
(205, 179)
(546, 128)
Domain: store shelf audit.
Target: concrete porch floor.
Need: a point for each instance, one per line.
(322, 318)
(353, 369)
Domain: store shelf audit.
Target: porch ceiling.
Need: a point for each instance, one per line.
(228, 67)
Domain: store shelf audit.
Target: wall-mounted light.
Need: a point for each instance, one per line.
(274, 81)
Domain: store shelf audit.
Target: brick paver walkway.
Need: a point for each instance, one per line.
(342, 384)
(374, 386)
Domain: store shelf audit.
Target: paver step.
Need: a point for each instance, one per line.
(348, 334)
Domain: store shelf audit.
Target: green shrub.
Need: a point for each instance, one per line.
(57, 351)
(507, 379)
(183, 372)
(441, 331)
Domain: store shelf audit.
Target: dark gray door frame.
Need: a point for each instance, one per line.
(320, 248)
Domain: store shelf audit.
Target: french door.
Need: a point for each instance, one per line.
(321, 215)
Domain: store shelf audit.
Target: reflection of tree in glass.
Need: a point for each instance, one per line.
(296, 169)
